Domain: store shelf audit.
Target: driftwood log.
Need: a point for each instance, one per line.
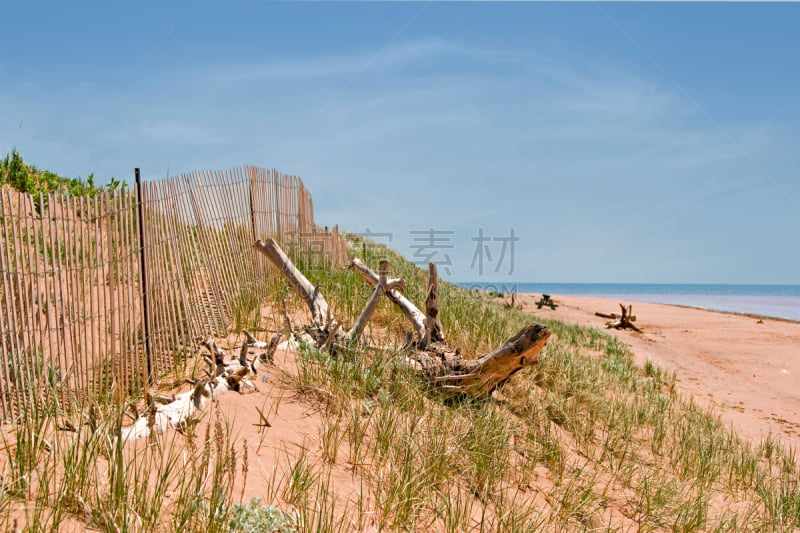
(512, 304)
(414, 315)
(624, 321)
(427, 353)
(225, 372)
(614, 316)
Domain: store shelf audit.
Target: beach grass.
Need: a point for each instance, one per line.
(586, 440)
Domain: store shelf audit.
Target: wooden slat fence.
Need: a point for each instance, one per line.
(71, 291)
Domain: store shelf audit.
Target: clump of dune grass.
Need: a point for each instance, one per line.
(59, 471)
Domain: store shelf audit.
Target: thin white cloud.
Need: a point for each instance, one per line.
(307, 68)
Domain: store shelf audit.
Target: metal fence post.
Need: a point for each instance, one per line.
(143, 275)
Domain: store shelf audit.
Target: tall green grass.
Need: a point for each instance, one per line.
(24, 177)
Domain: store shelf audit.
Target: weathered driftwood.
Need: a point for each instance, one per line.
(308, 292)
(384, 284)
(433, 326)
(325, 331)
(414, 315)
(221, 376)
(614, 316)
(447, 369)
(440, 365)
(512, 304)
(625, 321)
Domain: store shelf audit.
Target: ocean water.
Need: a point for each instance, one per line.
(781, 301)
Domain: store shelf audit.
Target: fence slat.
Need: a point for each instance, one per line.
(10, 364)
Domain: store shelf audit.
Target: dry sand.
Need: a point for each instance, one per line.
(748, 370)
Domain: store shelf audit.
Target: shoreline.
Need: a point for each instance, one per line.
(683, 306)
(767, 301)
(745, 369)
(724, 312)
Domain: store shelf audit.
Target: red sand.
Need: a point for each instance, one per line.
(747, 370)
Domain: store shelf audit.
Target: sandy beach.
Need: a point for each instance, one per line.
(746, 367)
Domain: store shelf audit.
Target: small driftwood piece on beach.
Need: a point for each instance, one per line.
(225, 372)
(624, 321)
(512, 304)
(426, 350)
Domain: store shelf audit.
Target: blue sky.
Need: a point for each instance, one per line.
(620, 142)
